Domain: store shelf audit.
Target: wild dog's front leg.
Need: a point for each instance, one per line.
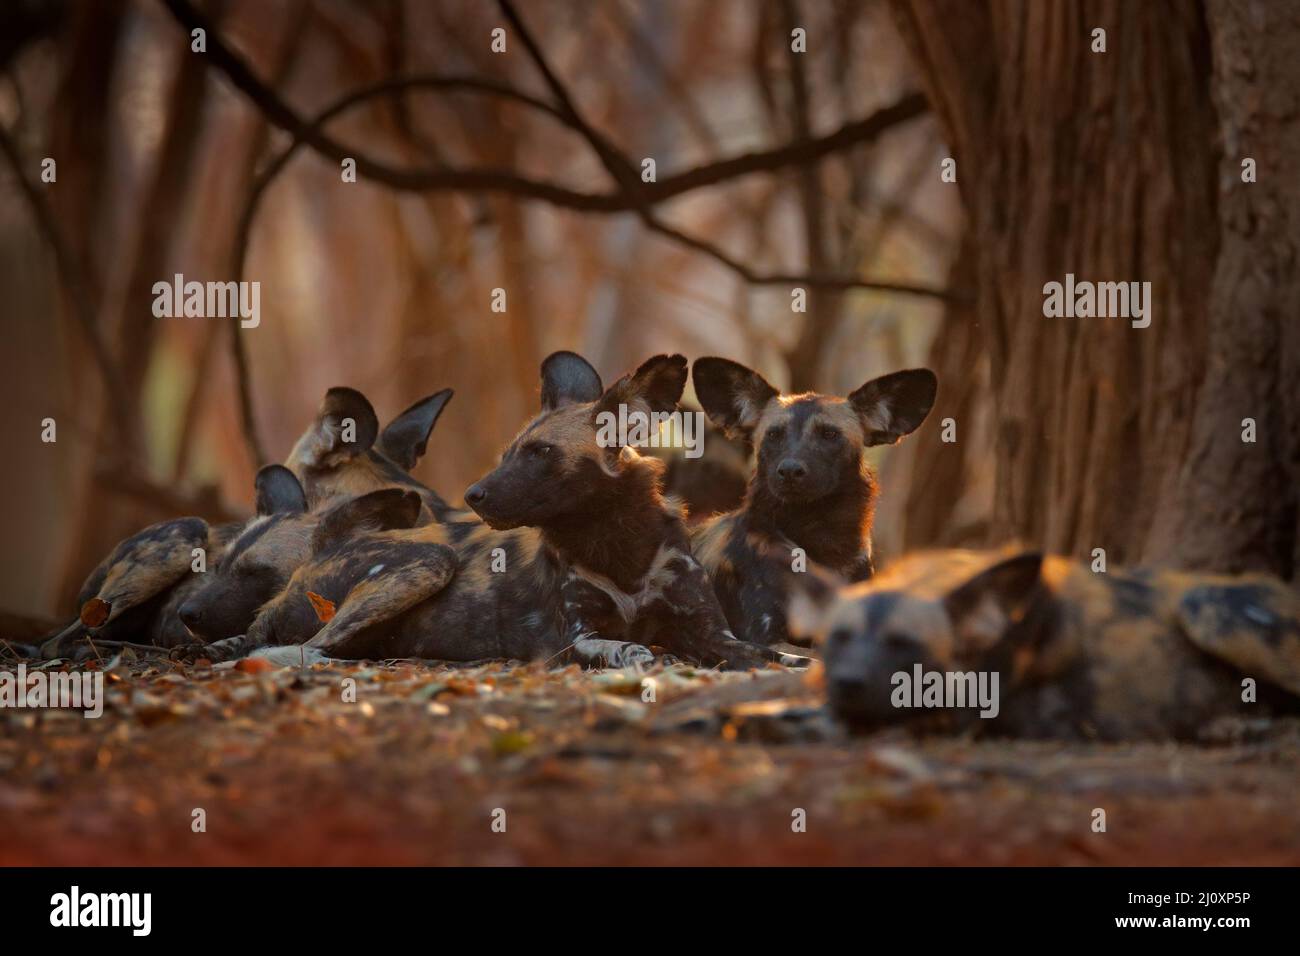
(587, 612)
(695, 627)
(381, 596)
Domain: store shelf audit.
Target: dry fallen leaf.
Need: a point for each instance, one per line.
(253, 665)
(95, 612)
(323, 607)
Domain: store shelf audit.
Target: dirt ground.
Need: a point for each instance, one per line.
(582, 769)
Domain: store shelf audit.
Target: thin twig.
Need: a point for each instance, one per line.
(130, 646)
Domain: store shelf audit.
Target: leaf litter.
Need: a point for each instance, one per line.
(674, 765)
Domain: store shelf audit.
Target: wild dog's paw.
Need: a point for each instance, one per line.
(191, 652)
(631, 655)
(738, 655)
(292, 655)
(598, 652)
(793, 660)
(218, 651)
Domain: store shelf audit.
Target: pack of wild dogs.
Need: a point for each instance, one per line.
(570, 551)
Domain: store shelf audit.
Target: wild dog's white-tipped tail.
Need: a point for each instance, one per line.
(292, 655)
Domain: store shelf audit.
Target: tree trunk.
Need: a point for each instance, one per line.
(1233, 505)
(1109, 165)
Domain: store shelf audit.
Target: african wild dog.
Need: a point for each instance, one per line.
(335, 462)
(579, 557)
(134, 593)
(1079, 655)
(148, 590)
(812, 488)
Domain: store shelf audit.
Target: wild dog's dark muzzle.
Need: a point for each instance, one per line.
(491, 504)
(191, 615)
(791, 471)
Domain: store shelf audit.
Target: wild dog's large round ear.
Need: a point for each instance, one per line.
(384, 510)
(279, 491)
(733, 396)
(894, 405)
(345, 426)
(404, 440)
(656, 386)
(984, 608)
(568, 379)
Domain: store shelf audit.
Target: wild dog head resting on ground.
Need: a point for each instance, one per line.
(257, 564)
(812, 488)
(1020, 644)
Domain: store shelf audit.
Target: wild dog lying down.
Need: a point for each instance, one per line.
(134, 593)
(144, 591)
(256, 564)
(1077, 654)
(580, 556)
(812, 488)
(149, 588)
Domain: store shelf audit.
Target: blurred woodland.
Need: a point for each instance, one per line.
(775, 170)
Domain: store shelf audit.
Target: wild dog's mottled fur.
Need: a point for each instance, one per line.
(407, 593)
(812, 488)
(1113, 656)
(596, 566)
(143, 582)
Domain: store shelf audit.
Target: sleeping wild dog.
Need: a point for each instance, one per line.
(575, 556)
(1078, 655)
(812, 488)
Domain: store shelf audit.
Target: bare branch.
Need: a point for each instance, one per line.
(624, 171)
(632, 194)
(492, 180)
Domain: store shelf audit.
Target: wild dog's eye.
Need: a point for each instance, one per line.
(775, 432)
(897, 641)
(828, 433)
(539, 451)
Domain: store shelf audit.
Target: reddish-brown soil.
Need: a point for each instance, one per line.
(713, 771)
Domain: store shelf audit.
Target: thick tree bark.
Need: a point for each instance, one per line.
(945, 475)
(1110, 166)
(1233, 504)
